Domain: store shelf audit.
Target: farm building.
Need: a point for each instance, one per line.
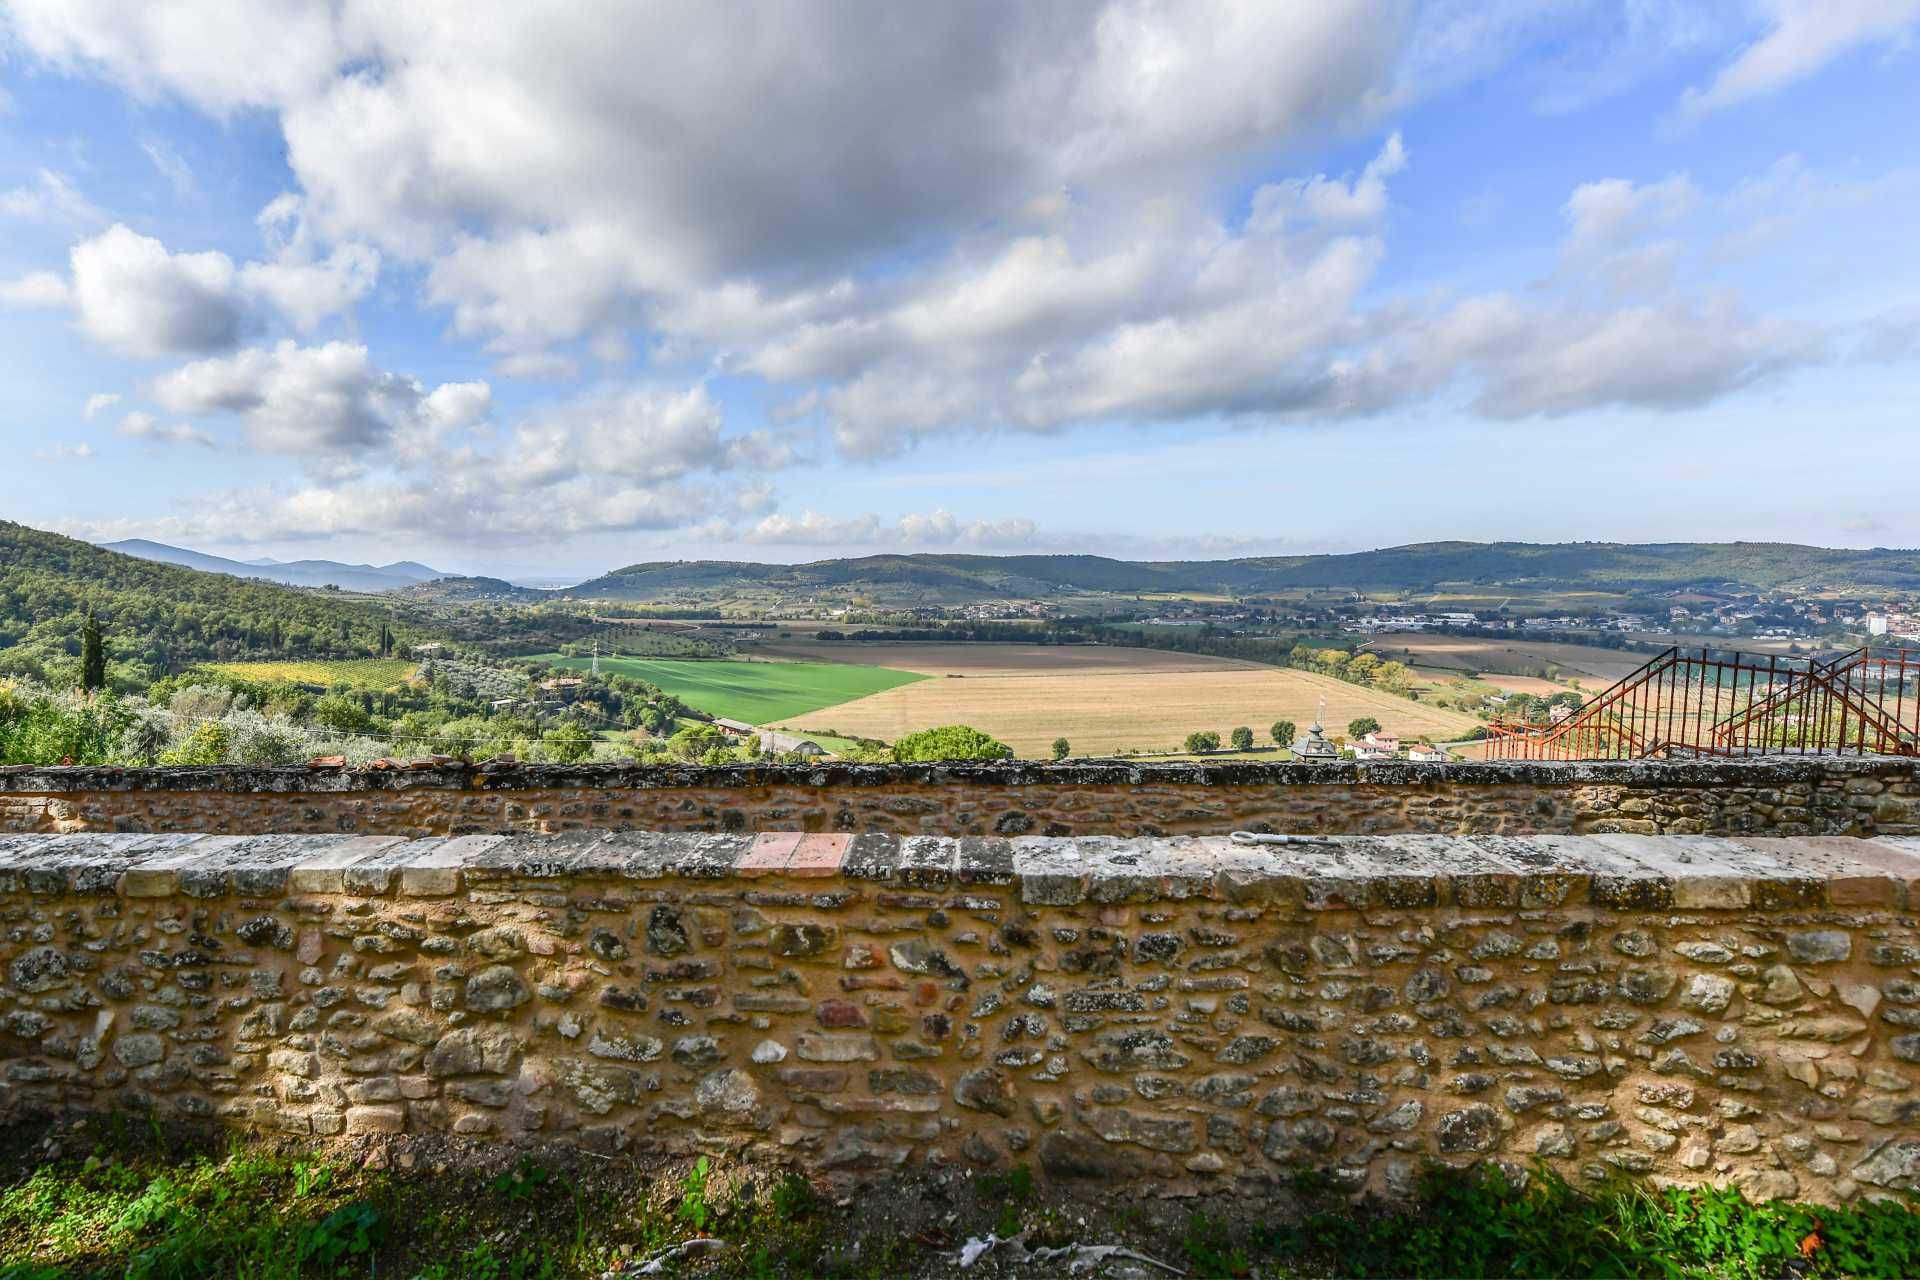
(777, 742)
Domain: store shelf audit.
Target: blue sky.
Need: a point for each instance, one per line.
(542, 295)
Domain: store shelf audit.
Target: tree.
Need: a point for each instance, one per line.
(1362, 727)
(1242, 738)
(697, 741)
(1282, 732)
(93, 655)
(342, 713)
(950, 742)
(1201, 741)
(569, 743)
(1061, 748)
(146, 737)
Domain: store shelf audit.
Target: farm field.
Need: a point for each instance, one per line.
(1114, 711)
(1587, 663)
(756, 692)
(1504, 683)
(985, 659)
(372, 674)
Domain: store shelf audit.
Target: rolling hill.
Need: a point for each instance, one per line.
(295, 573)
(1418, 567)
(164, 617)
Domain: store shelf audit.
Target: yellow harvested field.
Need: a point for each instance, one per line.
(1587, 663)
(984, 658)
(1105, 712)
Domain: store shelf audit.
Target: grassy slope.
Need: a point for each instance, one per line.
(756, 692)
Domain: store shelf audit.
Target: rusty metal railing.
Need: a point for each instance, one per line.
(1733, 705)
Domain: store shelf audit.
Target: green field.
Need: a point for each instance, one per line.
(756, 692)
(372, 674)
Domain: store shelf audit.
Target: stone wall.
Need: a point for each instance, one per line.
(1782, 796)
(1187, 1010)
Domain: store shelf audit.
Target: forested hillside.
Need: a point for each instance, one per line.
(159, 618)
(1419, 567)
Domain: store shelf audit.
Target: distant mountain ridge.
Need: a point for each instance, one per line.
(296, 573)
(1417, 567)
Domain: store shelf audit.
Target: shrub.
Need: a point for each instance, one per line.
(1202, 741)
(951, 742)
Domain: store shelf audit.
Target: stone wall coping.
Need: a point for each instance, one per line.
(492, 775)
(1624, 872)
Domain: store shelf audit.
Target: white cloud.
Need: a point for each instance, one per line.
(36, 289)
(170, 165)
(100, 400)
(140, 425)
(304, 286)
(1803, 36)
(51, 198)
(65, 453)
(1676, 353)
(296, 399)
(1603, 216)
(932, 530)
(564, 172)
(219, 55)
(135, 296)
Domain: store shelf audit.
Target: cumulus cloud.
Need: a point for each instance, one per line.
(296, 399)
(65, 453)
(383, 454)
(564, 172)
(905, 222)
(303, 285)
(100, 400)
(140, 425)
(133, 295)
(1803, 36)
(218, 55)
(1603, 216)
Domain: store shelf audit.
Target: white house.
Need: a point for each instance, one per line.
(1426, 753)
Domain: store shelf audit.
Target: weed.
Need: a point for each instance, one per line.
(521, 1181)
(794, 1198)
(349, 1231)
(694, 1209)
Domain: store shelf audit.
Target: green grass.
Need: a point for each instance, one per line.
(122, 1199)
(755, 692)
(374, 674)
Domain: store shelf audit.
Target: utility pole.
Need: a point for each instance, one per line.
(596, 657)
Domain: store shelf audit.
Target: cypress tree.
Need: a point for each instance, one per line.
(93, 655)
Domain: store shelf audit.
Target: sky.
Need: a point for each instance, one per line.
(539, 291)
